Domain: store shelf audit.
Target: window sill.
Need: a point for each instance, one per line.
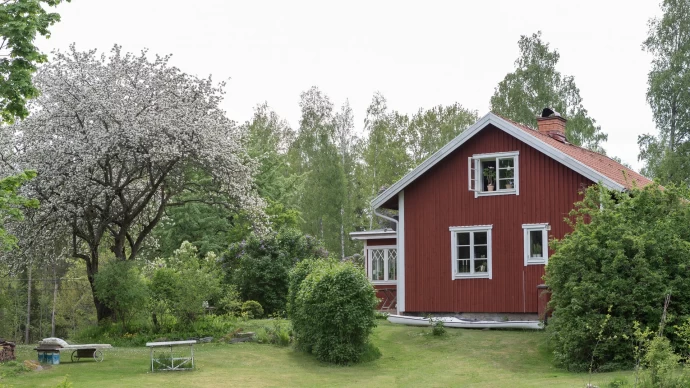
(491, 193)
(535, 262)
(384, 282)
(471, 276)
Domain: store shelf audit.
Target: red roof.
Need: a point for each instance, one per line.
(594, 160)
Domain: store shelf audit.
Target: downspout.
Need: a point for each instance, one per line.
(385, 217)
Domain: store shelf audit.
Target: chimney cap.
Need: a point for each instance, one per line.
(548, 112)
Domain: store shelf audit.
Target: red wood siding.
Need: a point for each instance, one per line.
(440, 199)
(384, 241)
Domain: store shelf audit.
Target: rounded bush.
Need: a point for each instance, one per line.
(333, 312)
(253, 309)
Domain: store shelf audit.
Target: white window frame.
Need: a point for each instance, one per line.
(454, 230)
(386, 249)
(544, 228)
(474, 164)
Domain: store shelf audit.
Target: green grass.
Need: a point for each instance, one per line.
(410, 358)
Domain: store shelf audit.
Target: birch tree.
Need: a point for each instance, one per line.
(385, 152)
(431, 129)
(345, 137)
(667, 154)
(112, 139)
(315, 154)
(536, 84)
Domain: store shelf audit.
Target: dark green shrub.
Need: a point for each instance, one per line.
(260, 266)
(297, 275)
(120, 286)
(626, 252)
(253, 309)
(618, 382)
(333, 314)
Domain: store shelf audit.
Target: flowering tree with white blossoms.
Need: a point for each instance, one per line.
(115, 141)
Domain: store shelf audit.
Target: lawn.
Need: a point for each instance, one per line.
(410, 358)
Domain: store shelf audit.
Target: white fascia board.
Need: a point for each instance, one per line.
(512, 130)
(431, 161)
(373, 236)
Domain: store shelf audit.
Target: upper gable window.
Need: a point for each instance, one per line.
(494, 174)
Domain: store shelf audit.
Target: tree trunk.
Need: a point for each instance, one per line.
(28, 309)
(102, 311)
(55, 291)
(342, 234)
(672, 141)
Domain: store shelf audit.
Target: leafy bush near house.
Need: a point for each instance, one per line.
(626, 251)
(260, 266)
(333, 312)
(253, 309)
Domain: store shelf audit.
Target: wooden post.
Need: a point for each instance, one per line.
(55, 290)
(28, 309)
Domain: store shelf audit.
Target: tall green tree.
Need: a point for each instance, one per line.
(431, 129)
(315, 153)
(385, 151)
(207, 219)
(20, 21)
(11, 205)
(346, 140)
(667, 154)
(535, 84)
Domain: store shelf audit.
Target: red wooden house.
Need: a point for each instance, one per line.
(474, 219)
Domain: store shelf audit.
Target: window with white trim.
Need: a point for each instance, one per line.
(383, 264)
(536, 242)
(494, 174)
(471, 251)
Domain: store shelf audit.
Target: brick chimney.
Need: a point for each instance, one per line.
(551, 123)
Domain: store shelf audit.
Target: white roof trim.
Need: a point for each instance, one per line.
(512, 130)
(373, 234)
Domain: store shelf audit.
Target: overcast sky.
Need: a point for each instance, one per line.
(417, 53)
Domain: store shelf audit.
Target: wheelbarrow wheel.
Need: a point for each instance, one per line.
(98, 356)
(74, 357)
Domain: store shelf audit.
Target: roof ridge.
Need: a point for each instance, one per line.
(536, 131)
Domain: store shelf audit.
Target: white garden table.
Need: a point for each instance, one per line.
(176, 363)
